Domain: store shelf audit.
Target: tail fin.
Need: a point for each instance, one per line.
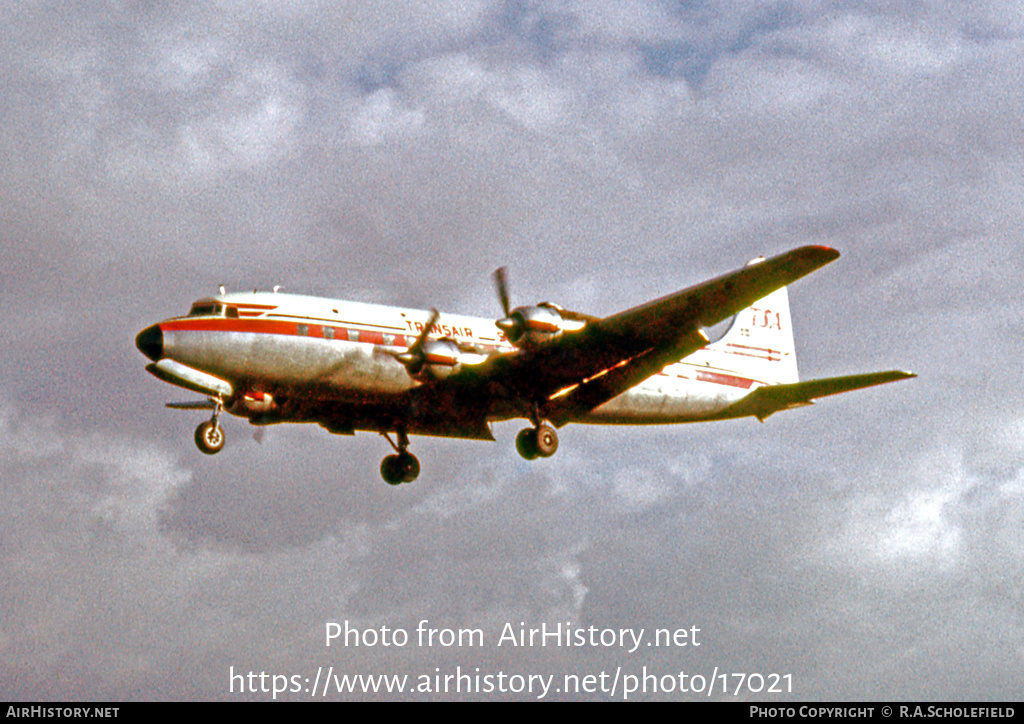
(759, 345)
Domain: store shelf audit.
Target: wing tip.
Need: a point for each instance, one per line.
(803, 260)
(898, 374)
(825, 253)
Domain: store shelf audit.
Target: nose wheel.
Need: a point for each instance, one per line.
(403, 467)
(537, 442)
(210, 435)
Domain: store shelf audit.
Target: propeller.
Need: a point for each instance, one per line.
(414, 357)
(513, 323)
(535, 324)
(502, 286)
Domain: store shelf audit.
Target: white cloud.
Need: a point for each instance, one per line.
(637, 488)
(381, 117)
(935, 520)
(919, 528)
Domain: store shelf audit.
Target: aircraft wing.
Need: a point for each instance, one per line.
(582, 369)
(765, 401)
(707, 304)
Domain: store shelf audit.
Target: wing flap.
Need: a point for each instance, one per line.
(579, 399)
(766, 401)
(452, 414)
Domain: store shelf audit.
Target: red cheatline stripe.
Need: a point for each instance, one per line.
(258, 326)
(274, 326)
(756, 356)
(766, 350)
(720, 379)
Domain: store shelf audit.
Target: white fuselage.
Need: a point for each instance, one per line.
(284, 345)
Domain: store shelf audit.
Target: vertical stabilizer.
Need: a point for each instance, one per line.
(759, 345)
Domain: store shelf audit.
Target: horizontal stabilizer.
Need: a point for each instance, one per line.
(765, 401)
(199, 405)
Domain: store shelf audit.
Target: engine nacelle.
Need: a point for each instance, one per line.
(434, 359)
(252, 404)
(527, 326)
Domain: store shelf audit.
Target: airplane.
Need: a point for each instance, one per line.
(273, 358)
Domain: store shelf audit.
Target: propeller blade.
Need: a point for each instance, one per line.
(427, 329)
(502, 286)
(508, 324)
(413, 357)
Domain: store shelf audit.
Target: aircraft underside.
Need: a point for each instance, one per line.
(664, 400)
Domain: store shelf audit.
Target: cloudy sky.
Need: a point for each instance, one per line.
(607, 152)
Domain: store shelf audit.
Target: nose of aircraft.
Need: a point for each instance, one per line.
(150, 342)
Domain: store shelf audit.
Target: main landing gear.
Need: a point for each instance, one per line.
(402, 467)
(210, 435)
(537, 442)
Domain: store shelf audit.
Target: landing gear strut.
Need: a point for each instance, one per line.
(210, 435)
(402, 467)
(537, 442)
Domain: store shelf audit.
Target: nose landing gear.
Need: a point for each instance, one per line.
(402, 467)
(210, 435)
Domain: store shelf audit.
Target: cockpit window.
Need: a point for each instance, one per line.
(205, 309)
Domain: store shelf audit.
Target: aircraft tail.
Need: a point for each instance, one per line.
(759, 344)
(759, 347)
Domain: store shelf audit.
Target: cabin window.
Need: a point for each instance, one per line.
(353, 335)
(328, 332)
(231, 312)
(302, 329)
